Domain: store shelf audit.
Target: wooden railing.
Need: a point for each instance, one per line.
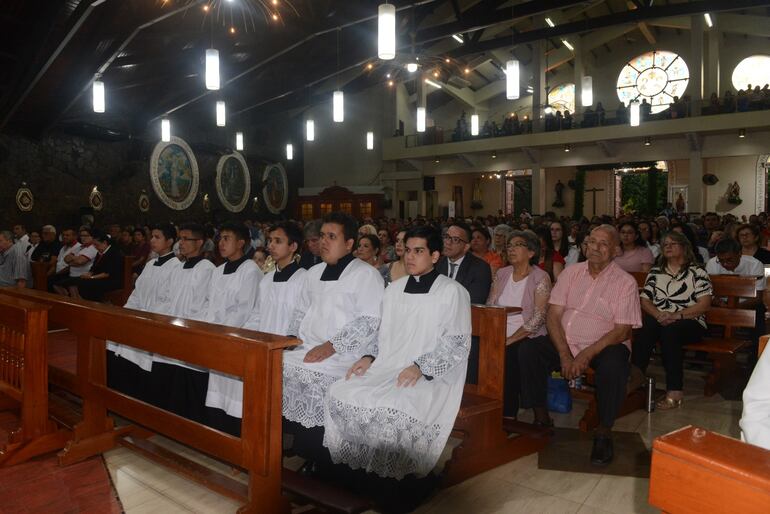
(24, 380)
(253, 356)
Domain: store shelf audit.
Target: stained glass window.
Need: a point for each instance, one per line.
(754, 70)
(657, 76)
(562, 98)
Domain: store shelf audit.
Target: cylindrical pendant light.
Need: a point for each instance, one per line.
(289, 152)
(370, 140)
(386, 31)
(220, 113)
(239, 141)
(165, 130)
(310, 130)
(212, 69)
(474, 124)
(587, 91)
(421, 119)
(338, 104)
(512, 79)
(634, 105)
(98, 96)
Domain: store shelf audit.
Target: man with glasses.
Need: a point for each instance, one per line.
(472, 273)
(592, 309)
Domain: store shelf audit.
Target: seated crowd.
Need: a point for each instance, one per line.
(383, 311)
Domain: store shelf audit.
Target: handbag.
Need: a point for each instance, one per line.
(559, 398)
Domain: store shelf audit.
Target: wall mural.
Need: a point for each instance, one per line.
(276, 190)
(174, 173)
(233, 182)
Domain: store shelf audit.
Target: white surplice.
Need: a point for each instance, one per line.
(394, 431)
(232, 298)
(345, 312)
(272, 314)
(152, 293)
(755, 421)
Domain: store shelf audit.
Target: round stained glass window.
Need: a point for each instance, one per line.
(656, 76)
(754, 71)
(562, 98)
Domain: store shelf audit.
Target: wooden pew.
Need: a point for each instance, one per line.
(24, 381)
(700, 472)
(253, 356)
(485, 442)
(722, 350)
(117, 297)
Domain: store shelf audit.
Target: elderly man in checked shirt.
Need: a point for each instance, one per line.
(593, 307)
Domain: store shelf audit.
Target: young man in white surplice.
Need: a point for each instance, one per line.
(128, 368)
(393, 414)
(232, 296)
(279, 291)
(336, 319)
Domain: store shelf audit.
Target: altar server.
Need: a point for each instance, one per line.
(279, 292)
(232, 297)
(394, 412)
(336, 319)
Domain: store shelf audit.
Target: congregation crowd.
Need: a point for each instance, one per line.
(383, 311)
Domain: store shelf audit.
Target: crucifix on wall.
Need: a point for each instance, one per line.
(593, 191)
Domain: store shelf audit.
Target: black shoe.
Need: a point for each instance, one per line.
(602, 452)
(309, 468)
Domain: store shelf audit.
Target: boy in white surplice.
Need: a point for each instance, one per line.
(393, 414)
(336, 318)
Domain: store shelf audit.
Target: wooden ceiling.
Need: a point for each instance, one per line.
(150, 53)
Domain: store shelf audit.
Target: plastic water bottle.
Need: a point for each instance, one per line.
(650, 394)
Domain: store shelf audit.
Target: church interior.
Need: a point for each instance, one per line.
(497, 117)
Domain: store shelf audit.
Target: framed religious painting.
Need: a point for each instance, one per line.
(174, 173)
(144, 202)
(24, 199)
(96, 200)
(233, 182)
(276, 188)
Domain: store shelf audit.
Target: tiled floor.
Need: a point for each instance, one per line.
(516, 487)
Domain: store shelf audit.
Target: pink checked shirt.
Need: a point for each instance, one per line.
(592, 307)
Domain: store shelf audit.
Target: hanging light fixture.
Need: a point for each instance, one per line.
(370, 140)
(310, 130)
(647, 141)
(421, 119)
(567, 148)
(239, 141)
(742, 133)
(98, 91)
(289, 152)
(386, 31)
(165, 130)
(212, 69)
(338, 105)
(220, 113)
(411, 67)
(587, 91)
(634, 105)
(474, 124)
(512, 79)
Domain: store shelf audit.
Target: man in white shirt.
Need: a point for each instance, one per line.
(729, 261)
(232, 295)
(336, 318)
(70, 246)
(79, 261)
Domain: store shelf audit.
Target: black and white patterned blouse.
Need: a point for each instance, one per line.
(673, 293)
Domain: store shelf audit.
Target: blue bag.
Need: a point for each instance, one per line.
(559, 398)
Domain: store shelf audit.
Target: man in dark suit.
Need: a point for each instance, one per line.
(473, 273)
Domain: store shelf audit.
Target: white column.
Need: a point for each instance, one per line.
(696, 62)
(538, 84)
(538, 190)
(695, 196)
(712, 84)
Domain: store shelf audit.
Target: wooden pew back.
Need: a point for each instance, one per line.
(700, 472)
(255, 357)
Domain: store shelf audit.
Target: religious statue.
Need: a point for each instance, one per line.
(559, 190)
(734, 193)
(680, 206)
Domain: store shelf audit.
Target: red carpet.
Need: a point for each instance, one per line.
(41, 486)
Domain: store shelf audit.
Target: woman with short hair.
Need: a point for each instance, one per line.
(480, 241)
(748, 236)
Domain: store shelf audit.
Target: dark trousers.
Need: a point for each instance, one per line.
(512, 388)
(672, 339)
(472, 375)
(538, 357)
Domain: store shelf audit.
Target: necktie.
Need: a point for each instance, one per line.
(452, 268)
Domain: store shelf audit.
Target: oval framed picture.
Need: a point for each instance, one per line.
(24, 199)
(276, 191)
(174, 173)
(144, 202)
(96, 199)
(233, 182)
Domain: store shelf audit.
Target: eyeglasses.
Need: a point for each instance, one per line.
(516, 245)
(454, 239)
